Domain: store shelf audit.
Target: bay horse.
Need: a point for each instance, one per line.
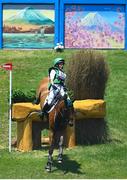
(59, 118)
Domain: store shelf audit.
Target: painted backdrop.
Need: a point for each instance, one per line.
(101, 26)
(28, 26)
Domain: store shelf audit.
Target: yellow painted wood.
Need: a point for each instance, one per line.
(90, 108)
(24, 135)
(70, 136)
(21, 110)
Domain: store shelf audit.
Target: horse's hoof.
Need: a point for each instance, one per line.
(60, 159)
(48, 167)
(48, 170)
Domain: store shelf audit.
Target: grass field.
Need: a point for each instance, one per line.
(97, 161)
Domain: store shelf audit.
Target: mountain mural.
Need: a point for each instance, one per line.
(29, 16)
(94, 20)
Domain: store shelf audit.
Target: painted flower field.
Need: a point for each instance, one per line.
(91, 29)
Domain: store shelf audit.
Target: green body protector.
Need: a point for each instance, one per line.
(56, 80)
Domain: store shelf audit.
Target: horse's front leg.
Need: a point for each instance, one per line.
(60, 155)
(50, 158)
(49, 163)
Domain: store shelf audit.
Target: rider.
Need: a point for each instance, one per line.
(57, 85)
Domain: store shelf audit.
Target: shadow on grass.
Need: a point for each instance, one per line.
(114, 140)
(68, 166)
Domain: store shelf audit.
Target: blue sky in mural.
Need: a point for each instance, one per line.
(22, 6)
(11, 10)
(115, 8)
(110, 17)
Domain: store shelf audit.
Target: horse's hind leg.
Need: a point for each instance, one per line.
(60, 158)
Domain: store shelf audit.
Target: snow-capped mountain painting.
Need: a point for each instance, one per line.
(94, 20)
(28, 26)
(29, 16)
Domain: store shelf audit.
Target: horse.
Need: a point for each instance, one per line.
(58, 119)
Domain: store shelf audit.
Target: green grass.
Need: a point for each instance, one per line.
(97, 161)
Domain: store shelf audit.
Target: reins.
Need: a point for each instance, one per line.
(59, 111)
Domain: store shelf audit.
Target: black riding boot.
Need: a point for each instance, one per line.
(44, 111)
(36, 101)
(68, 104)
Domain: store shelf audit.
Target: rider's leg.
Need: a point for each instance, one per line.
(44, 110)
(66, 98)
(48, 102)
(52, 94)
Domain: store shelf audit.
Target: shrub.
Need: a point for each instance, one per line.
(87, 75)
(19, 96)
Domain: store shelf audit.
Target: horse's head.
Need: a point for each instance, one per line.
(66, 112)
(61, 115)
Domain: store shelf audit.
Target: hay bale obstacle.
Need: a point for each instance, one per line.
(29, 127)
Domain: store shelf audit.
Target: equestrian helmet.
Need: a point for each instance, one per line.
(58, 61)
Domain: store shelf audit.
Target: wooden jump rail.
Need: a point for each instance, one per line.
(89, 108)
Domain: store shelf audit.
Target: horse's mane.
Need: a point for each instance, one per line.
(43, 86)
(42, 90)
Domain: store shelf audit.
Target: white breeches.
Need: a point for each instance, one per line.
(54, 92)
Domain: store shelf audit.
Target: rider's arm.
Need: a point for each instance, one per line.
(52, 76)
